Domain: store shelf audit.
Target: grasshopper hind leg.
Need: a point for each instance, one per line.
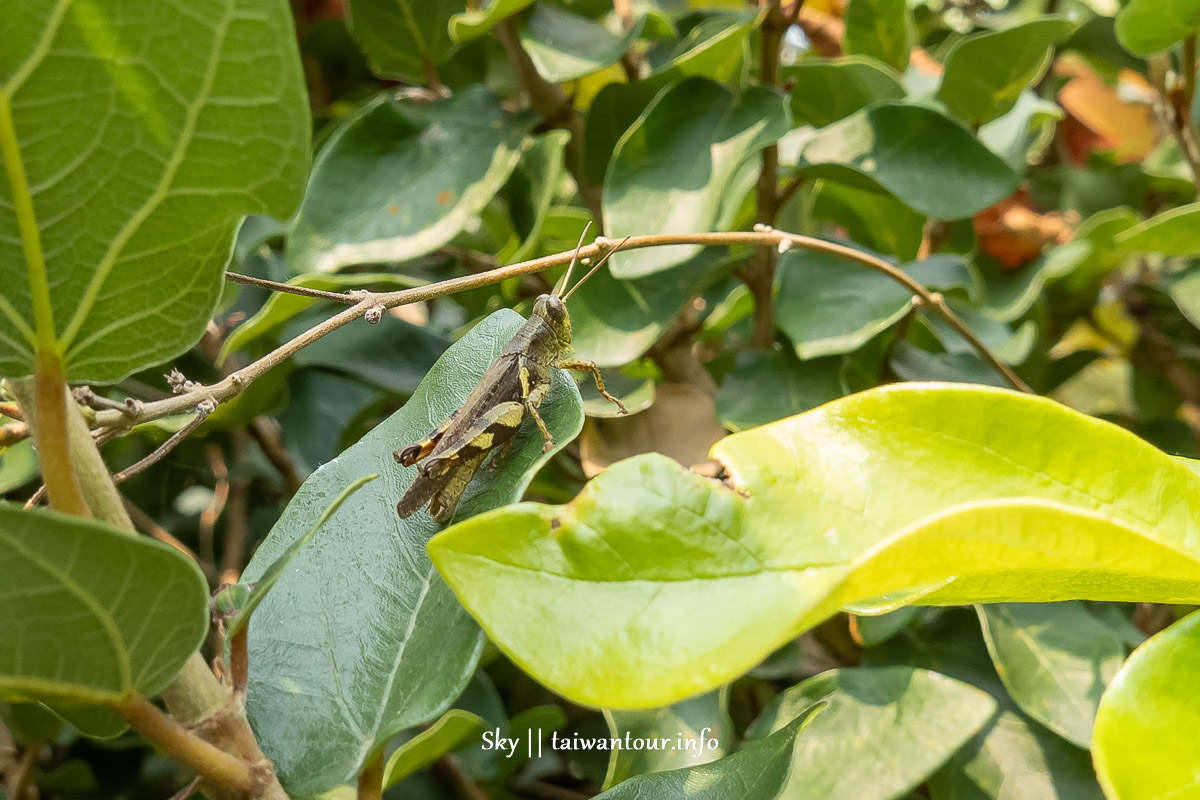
(589, 366)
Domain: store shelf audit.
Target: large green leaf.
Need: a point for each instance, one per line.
(404, 39)
(830, 306)
(400, 179)
(758, 771)
(881, 29)
(828, 90)
(685, 165)
(1143, 745)
(1147, 26)
(115, 225)
(986, 72)
(565, 46)
(1055, 660)
(92, 615)
(925, 160)
(360, 639)
(930, 493)
(883, 730)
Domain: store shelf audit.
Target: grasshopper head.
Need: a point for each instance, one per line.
(552, 309)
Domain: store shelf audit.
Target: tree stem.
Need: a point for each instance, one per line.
(230, 773)
(50, 433)
(370, 780)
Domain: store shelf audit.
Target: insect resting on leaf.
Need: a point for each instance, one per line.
(512, 388)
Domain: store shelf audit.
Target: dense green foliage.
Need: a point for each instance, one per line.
(906, 506)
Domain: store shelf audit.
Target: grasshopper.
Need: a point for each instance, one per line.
(512, 388)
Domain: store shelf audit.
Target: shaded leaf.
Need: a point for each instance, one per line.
(360, 639)
(400, 179)
(451, 730)
(479, 18)
(697, 731)
(881, 29)
(565, 46)
(766, 385)
(684, 166)
(404, 38)
(827, 90)
(986, 72)
(926, 161)
(1055, 660)
(882, 731)
(70, 580)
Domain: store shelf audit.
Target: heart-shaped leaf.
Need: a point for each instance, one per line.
(901, 494)
(1140, 745)
(400, 179)
(114, 234)
(685, 165)
(132, 610)
(360, 638)
(882, 731)
(929, 163)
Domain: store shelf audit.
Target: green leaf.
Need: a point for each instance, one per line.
(902, 494)
(531, 189)
(272, 574)
(929, 163)
(827, 90)
(871, 218)
(766, 385)
(1055, 660)
(1171, 233)
(830, 306)
(616, 321)
(685, 165)
(882, 732)
(400, 179)
(392, 354)
(881, 29)
(1145, 27)
(132, 610)
(403, 39)
(565, 46)
(360, 639)
(1142, 744)
(697, 730)
(282, 307)
(986, 72)
(475, 22)
(114, 234)
(1028, 126)
(451, 730)
(1015, 759)
(758, 771)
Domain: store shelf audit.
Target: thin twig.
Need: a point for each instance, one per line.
(186, 791)
(12, 411)
(239, 661)
(12, 433)
(232, 384)
(216, 505)
(288, 288)
(267, 435)
(449, 768)
(26, 767)
(164, 448)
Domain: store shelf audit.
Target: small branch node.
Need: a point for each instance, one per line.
(373, 314)
(784, 245)
(132, 408)
(762, 227)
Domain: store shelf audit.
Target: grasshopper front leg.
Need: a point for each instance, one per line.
(588, 366)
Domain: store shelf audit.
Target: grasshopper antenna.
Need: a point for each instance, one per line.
(574, 256)
(599, 264)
